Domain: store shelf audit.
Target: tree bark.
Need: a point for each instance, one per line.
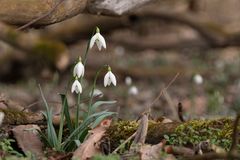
(20, 12)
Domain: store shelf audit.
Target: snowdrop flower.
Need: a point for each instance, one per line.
(109, 78)
(78, 69)
(99, 39)
(198, 79)
(76, 87)
(133, 90)
(128, 80)
(1, 117)
(96, 92)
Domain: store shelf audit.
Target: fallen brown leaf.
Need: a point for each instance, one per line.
(90, 147)
(28, 139)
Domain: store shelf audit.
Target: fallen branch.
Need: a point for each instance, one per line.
(31, 43)
(20, 12)
(41, 17)
(45, 12)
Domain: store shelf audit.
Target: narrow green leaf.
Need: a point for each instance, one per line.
(51, 133)
(99, 103)
(66, 112)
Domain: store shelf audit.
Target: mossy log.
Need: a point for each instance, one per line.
(217, 131)
(51, 51)
(15, 117)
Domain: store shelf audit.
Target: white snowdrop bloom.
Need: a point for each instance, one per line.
(133, 90)
(109, 78)
(198, 79)
(128, 80)
(78, 69)
(1, 117)
(99, 39)
(76, 87)
(96, 92)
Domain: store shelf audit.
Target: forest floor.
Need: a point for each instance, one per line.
(208, 106)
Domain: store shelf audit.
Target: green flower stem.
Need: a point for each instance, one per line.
(79, 97)
(78, 109)
(87, 49)
(93, 87)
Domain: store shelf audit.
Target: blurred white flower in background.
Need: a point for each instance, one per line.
(119, 51)
(128, 80)
(198, 79)
(76, 87)
(133, 90)
(109, 78)
(96, 92)
(1, 118)
(99, 39)
(78, 69)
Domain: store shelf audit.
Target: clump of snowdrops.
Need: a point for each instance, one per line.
(78, 130)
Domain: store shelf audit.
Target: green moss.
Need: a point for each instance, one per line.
(156, 131)
(218, 131)
(12, 36)
(13, 116)
(48, 49)
(121, 131)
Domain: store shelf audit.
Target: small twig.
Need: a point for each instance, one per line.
(41, 17)
(171, 105)
(180, 112)
(163, 90)
(126, 141)
(235, 136)
(141, 132)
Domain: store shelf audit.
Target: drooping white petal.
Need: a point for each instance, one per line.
(102, 40)
(113, 78)
(76, 87)
(99, 45)
(79, 87)
(78, 70)
(73, 87)
(106, 79)
(92, 41)
(99, 40)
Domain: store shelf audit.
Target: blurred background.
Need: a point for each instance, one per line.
(200, 39)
